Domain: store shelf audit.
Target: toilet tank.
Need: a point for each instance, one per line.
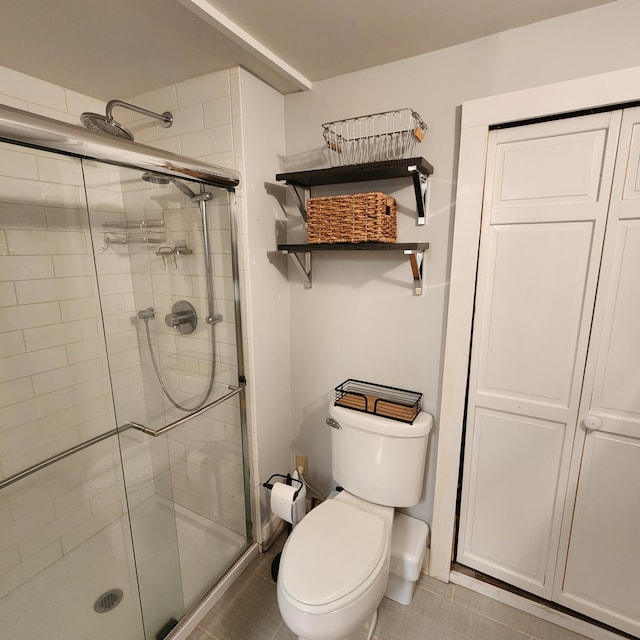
(378, 459)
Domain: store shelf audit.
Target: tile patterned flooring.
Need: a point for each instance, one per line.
(249, 611)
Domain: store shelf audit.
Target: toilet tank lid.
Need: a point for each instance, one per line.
(421, 426)
(331, 552)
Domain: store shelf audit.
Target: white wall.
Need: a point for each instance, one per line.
(266, 290)
(360, 319)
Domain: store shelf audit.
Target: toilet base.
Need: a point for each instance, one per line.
(364, 633)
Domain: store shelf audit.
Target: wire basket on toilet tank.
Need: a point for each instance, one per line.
(390, 135)
(379, 399)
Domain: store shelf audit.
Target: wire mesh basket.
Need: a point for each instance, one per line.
(390, 135)
(378, 399)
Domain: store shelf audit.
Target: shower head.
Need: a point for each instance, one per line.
(157, 178)
(98, 123)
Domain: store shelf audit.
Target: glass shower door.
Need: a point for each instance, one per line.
(167, 282)
(66, 557)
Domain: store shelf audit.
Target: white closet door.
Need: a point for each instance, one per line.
(547, 190)
(602, 577)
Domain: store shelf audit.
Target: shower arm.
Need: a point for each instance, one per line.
(166, 119)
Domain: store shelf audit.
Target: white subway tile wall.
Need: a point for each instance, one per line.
(54, 385)
(206, 456)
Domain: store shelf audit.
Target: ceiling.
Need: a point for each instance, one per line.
(121, 48)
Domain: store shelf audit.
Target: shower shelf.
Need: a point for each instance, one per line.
(124, 232)
(127, 225)
(125, 240)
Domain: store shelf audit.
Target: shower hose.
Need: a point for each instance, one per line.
(159, 375)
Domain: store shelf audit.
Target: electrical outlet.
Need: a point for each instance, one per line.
(302, 461)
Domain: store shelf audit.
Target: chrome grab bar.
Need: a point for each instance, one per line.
(56, 458)
(9, 480)
(172, 425)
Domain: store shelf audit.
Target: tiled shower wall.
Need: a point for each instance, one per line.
(54, 385)
(206, 454)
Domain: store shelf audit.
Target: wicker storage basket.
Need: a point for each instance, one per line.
(361, 217)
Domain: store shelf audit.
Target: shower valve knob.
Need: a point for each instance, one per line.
(183, 317)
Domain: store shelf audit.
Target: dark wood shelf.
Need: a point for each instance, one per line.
(301, 255)
(417, 169)
(355, 246)
(356, 173)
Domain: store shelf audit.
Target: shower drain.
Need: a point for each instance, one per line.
(108, 600)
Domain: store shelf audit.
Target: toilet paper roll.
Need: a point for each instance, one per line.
(282, 500)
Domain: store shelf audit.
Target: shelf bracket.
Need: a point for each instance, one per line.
(420, 181)
(301, 201)
(302, 261)
(416, 260)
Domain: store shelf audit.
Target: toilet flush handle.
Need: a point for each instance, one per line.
(333, 424)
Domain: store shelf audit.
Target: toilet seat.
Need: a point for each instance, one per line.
(338, 545)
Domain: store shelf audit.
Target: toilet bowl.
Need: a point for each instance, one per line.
(335, 567)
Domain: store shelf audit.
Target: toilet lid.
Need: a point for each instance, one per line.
(331, 552)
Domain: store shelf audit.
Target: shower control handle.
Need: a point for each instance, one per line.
(183, 317)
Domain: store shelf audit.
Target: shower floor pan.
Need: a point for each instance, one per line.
(58, 603)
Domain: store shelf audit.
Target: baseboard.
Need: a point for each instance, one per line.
(537, 609)
(270, 533)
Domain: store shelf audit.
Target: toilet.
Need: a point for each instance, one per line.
(334, 568)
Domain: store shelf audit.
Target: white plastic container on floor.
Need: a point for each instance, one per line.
(408, 548)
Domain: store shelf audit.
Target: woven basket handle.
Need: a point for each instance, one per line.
(389, 205)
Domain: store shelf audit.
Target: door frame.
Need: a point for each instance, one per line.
(616, 87)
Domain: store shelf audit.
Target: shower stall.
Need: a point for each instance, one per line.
(123, 450)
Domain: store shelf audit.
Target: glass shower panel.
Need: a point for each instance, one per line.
(150, 254)
(207, 477)
(75, 575)
(183, 459)
(65, 544)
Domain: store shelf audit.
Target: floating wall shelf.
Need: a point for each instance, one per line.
(301, 255)
(418, 169)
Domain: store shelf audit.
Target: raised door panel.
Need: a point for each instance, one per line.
(567, 168)
(617, 385)
(513, 484)
(529, 338)
(602, 577)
